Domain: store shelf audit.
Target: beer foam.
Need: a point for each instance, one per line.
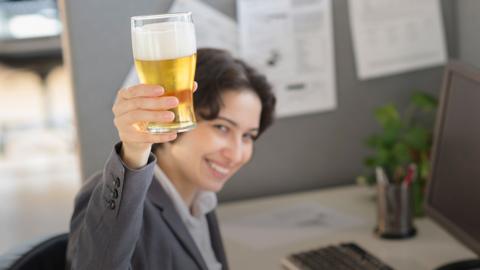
(160, 41)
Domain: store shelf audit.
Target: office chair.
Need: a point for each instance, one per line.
(42, 255)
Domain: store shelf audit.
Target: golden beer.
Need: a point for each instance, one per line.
(176, 77)
(165, 55)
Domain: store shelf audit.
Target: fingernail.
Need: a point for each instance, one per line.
(195, 86)
(159, 90)
(171, 116)
(173, 101)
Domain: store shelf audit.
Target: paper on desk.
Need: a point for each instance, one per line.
(291, 41)
(212, 29)
(393, 36)
(287, 224)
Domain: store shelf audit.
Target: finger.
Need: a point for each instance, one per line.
(195, 86)
(144, 137)
(141, 90)
(151, 103)
(143, 116)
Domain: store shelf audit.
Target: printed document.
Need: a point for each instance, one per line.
(393, 36)
(291, 42)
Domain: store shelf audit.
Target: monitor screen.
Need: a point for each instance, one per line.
(453, 193)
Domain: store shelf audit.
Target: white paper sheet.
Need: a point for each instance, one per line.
(393, 36)
(287, 224)
(212, 29)
(291, 41)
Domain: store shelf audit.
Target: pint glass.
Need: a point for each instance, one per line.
(164, 50)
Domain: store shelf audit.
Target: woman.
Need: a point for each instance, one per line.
(152, 207)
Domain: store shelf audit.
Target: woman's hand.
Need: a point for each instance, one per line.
(139, 104)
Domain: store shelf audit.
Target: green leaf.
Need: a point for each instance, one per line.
(424, 101)
(383, 157)
(424, 166)
(387, 116)
(391, 134)
(370, 162)
(418, 138)
(401, 153)
(373, 141)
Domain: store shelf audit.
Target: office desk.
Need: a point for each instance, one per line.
(430, 248)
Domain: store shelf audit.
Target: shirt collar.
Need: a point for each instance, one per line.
(204, 201)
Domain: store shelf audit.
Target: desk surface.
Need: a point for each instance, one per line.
(430, 248)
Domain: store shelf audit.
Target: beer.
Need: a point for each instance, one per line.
(176, 76)
(165, 54)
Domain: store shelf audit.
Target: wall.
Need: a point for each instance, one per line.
(298, 153)
(469, 31)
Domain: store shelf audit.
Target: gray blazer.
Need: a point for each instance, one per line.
(123, 219)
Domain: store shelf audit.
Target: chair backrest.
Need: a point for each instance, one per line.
(47, 254)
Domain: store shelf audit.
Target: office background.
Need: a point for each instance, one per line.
(297, 153)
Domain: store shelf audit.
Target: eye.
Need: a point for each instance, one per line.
(249, 137)
(221, 127)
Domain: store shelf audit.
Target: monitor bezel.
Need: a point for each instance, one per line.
(459, 69)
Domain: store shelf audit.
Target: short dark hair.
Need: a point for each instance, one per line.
(217, 72)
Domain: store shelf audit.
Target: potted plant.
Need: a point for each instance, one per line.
(405, 138)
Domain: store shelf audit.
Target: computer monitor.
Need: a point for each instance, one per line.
(453, 192)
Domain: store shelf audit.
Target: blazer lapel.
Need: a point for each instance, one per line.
(216, 239)
(160, 198)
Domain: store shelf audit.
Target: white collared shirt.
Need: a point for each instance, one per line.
(195, 221)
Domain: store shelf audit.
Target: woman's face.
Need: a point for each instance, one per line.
(210, 154)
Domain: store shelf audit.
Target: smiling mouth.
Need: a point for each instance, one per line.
(217, 168)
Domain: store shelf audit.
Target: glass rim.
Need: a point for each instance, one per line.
(160, 16)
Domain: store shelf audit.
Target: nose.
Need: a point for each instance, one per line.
(233, 151)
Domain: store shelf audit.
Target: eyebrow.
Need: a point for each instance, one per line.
(234, 123)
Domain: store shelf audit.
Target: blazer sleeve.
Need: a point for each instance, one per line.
(108, 214)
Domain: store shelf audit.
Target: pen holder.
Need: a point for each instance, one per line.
(394, 210)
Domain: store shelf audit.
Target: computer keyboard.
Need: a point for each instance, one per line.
(345, 256)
